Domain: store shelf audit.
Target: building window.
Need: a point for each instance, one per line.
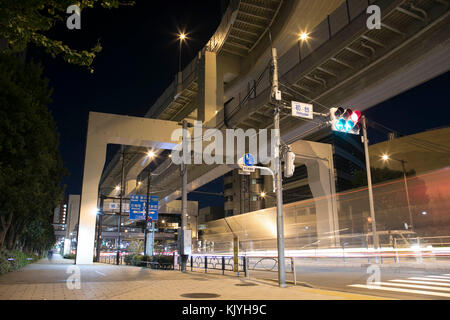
(228, 186)
(254, 198)
(228, 198)
(258, 181)
(229, 213)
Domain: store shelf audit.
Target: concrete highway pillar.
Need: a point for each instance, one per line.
(210, 88)
(318, 158)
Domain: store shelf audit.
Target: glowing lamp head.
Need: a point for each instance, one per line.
(182, 36)
(385, 157)
(263, 194)
(303, 36)
(150, 154)
(117, 188)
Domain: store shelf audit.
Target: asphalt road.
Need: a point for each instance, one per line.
(404, 285)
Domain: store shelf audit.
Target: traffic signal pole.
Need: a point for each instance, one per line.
(369, 186)
(278, 177)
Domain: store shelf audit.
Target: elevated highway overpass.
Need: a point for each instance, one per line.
(227, 85)
(342, 63)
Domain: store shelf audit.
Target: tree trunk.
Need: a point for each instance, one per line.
(5, 224)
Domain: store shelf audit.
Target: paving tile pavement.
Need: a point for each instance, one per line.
(106, 282)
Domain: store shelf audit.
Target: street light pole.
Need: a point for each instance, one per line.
(121, 204)
(278, 177)
(369, 185)
(146, 214)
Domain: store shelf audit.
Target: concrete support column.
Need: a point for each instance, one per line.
(210, 88)
(318, 158)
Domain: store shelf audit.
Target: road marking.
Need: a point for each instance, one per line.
(428, 279)
(428, 293)
(441, 277)
(424, 282)
(100, 273)
(412, 286)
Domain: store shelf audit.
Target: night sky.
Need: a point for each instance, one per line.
(140, 59)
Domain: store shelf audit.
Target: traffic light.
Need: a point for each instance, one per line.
(289, 166)
(345, 120)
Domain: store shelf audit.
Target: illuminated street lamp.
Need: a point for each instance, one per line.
(303, 36)
(263, 194)
(182, 37)
(386, 157)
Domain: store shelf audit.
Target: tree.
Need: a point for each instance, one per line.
(30, 164)
(26, 21)
(378, 175)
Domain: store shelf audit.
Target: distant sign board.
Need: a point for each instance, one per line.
(302, 110)
(138, 207)
(116, 206)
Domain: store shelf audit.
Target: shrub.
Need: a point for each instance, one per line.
(69, 256)
(19, 260)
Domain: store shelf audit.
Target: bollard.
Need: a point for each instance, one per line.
(206, 264)
(245, 267)
(223, 265)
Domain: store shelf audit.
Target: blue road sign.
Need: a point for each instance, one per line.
(249, 160)
(138, 207)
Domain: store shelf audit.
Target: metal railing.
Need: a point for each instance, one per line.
(217, 262)
(111, 259)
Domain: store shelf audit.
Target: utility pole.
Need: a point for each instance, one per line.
(121, 205)
(184, 213)
(369, 185)
(278, 177)
(146, 213)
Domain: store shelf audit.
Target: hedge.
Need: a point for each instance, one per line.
(14, 260)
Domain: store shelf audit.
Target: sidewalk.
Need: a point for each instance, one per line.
(48, 281)
(56, 259)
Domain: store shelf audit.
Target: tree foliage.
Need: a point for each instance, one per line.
(30, 164)
(26, 21)
(378, 175)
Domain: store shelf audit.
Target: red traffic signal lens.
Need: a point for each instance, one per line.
(355, 116)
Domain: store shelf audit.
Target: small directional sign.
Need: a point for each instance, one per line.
(302, 110)
(248, 169)
(249, 160)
